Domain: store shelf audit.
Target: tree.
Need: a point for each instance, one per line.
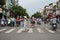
(37, 15)
(2, 2)
(18, 10)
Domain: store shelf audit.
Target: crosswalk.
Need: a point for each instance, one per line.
(19, 31)
(9, 31)
(31, 30)
(2, 29)
(40, 30)
(51, 31)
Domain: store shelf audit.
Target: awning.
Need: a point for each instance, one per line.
(0, 11)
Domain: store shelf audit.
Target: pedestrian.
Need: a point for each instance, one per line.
(32, 21)
(12, 21)
(21, 22)
(25, 24)
(17, 21)
(3, 20)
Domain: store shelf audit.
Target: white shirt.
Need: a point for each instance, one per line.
(12, 19)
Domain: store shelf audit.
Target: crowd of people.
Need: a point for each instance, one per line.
(23, 21)
(11, 21)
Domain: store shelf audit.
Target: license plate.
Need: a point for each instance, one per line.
(54, 25)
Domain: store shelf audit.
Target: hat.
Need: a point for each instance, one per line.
(25, 17)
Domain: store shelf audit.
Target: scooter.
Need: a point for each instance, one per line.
(39, 23)
(54, 26)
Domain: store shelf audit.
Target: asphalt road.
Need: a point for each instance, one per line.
(40, 32)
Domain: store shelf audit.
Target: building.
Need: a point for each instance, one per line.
(58, 4)
(58, 8)
(46, 10)
(14, 2)
(6, 11)
(0, 12)
(41, 11)
(8, 5)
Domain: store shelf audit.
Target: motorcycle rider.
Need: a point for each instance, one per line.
(54, 22)
(39, 21)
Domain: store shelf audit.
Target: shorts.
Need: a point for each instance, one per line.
(17, 22)
(33, 22)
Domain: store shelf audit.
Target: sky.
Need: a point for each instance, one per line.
(33, 6)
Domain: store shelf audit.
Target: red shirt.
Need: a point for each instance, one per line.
(17, 19)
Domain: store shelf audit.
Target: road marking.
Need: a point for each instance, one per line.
(2, 29)
(20, 30)
(30, 30)
(9, 31)
(40, 30)
(58, 30)
(49, 30)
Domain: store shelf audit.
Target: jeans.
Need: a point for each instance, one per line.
(12, 23)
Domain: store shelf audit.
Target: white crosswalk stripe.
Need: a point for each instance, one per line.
(9, 31)
(40, 30)
(58, 30)
(2, 29)
(20, 30)
(49, 30)
(30, 30)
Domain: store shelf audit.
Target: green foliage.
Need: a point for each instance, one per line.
(2, 2)
(37, 15)
(18, 10)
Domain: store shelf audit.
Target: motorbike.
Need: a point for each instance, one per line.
(39, 23)
(54, 26)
